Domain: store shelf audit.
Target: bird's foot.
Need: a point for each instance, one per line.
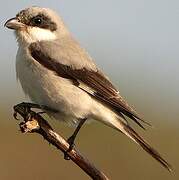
(23, 108)
(26, 107)
(71, 146)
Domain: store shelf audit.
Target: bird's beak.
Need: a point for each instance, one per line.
(14, 23)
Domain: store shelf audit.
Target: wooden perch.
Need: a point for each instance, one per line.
(35, 123)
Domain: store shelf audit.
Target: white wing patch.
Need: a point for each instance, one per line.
(86, 88)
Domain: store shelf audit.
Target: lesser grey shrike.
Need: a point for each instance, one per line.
(56, 72)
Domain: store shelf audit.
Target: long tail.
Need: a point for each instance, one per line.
(127, 130)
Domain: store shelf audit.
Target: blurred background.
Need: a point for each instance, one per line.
(136, 43)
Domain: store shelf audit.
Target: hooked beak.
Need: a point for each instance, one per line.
(14, 23)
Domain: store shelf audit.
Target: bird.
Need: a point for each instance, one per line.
(56, 72)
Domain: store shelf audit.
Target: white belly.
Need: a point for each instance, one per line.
(46, 88)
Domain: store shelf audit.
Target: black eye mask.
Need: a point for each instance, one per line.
(39, 20)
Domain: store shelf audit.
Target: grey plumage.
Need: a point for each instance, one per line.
(80, 72)
(56, 72)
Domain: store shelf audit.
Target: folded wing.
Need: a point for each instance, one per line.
(90, 80)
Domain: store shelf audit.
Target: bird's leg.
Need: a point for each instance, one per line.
(28, 105)
(71, 139)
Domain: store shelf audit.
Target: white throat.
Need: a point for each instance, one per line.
(34, 34)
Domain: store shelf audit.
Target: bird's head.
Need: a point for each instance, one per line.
(37, 24)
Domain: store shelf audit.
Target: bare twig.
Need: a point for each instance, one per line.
(35, 123)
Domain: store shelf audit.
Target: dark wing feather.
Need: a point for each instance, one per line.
(97, 84)
(104, 91)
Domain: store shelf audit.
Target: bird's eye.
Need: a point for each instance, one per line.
(37, 20)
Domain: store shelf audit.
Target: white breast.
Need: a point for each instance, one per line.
(46, 88)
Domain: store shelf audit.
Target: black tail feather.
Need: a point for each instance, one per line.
(147, 147)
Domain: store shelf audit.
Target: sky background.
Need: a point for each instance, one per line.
(136, 44)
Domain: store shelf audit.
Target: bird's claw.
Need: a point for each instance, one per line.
(71, 146)
(15, 115)
(24, 110)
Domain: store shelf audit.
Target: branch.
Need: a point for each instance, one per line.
(34, 123)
